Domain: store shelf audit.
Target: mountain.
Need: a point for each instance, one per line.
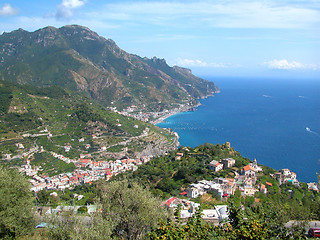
(78, 59)
(36, 121)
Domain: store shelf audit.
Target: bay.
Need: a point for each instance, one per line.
(276, 121)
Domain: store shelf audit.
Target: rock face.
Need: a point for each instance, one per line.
(76, 58)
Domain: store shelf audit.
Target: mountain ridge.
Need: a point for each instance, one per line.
(76, 58)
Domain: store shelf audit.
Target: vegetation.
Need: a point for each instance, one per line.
(51, 166)
(195, 228)
(131, 209)
(125, 210)
(167, 176)
(16, 205)
(244, 223)
(29, 114)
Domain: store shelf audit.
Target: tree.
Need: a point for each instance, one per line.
(69, 226)
(129, 208)
(195, 228)
(16, 203)
(43, 197)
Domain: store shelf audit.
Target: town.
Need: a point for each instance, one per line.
(88, 170)
(93, 171)
(245, 181)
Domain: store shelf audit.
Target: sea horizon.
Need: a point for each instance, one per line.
(276, 121)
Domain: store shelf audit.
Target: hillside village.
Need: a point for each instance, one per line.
(87, 171)
(88, 166)
(245, 181)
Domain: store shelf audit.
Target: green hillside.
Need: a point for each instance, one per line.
(52, 117)
(76, 58)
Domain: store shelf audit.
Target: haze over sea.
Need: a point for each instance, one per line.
(276, 121)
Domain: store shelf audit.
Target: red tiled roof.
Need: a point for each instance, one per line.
(169, 201)
(269, 184)
(247, 168)
(183, 193)
(82, 160)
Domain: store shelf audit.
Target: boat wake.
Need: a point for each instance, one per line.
(310, 131)
(266, 96)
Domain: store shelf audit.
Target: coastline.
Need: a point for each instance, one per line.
(175, 111)
(251, 130)
(185, 108)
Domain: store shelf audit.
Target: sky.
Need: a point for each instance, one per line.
(247, 38)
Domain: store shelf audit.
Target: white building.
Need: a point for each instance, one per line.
(215, 166)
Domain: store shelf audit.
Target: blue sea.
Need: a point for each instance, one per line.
(276, 121)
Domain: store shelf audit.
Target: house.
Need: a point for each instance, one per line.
(215, 215)
(92, 209)
(67, 148)
(217, 188)
(179, 156)
(20, 145)
(228, 162)
(193, 192)
(103, 148)
(184, 193)
(255, 166)
(286, 176)
(108, 175)
(313, 187)
(248, 171)
(85, 155)
(84, 162)
(169, 202)
(263, 189)
(269, 184)
(215, 166)
(248, 191)
(285, 172)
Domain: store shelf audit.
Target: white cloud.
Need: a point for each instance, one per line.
(199, 63)
(72, 3)
(231, 14)
(286, 65)
(65, 9)
(7, 10)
